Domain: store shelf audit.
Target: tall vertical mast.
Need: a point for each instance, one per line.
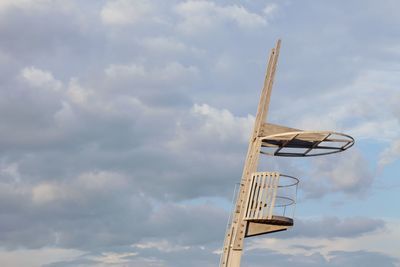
(264, 197)
(234, 240)
(265, 97)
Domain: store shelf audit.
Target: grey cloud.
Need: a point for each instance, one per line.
(142, 126)
(365, 258)
(306, 247)
(77, 218)
(53, 36)
(194, 225)
(337, 258)
(332, 227)
(389, 155)
(348, 174)
(76, 262)
(197, 256)
(86, 213)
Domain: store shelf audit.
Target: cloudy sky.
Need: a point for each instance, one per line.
(124, 127)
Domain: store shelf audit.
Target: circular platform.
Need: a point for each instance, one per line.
(275, 220)
(305, 143)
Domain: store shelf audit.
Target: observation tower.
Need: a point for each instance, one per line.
(265, 200)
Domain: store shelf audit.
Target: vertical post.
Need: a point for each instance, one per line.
(233, 244)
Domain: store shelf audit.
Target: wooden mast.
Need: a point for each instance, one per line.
(254, 212)
(233, 244)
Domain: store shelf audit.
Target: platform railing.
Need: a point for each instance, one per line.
(271, 194)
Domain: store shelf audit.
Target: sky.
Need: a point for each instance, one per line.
(124, 128)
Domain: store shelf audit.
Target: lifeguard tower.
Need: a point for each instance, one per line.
(265, 201)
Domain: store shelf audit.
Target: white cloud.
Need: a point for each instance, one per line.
(78, 187)
(36, 5)
(133, 70)
(4, 4)
(348, 174)
(41, 78)
(172, 71)
(121, 12)
(367, 108)
(168, 45)
(212, 135)
(66, 118)
(77, 93)
(10, 170)
(161, 245)
(225, 64)
(270, 9)
(222, 124)
(383, 129)
(103, 180)
(364, 108)
(390, 154)
(113, 257)
(175, 70)
(36, 257)
(383, 241)
(164, 44)
(46, 192)
(242, 16)
(204, 15)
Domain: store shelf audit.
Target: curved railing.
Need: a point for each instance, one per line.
(305, 143)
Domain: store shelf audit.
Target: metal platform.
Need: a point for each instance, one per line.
(276, 223)
(305, 143)
(275, 220)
